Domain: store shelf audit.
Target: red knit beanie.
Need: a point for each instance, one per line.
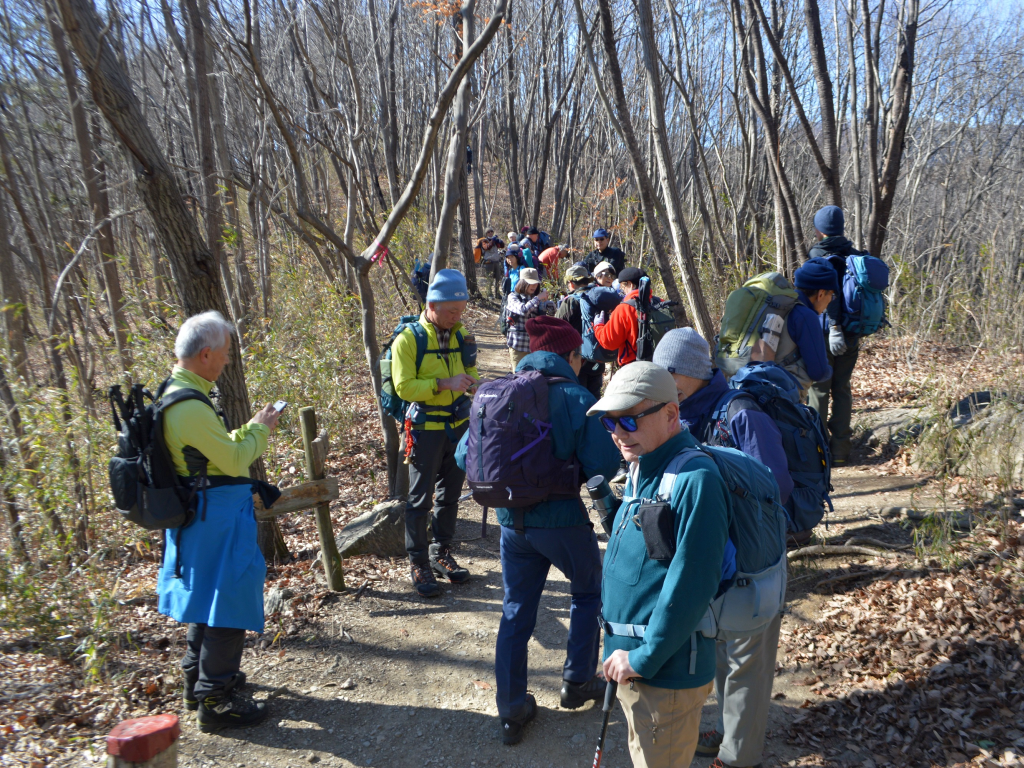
(552, 334)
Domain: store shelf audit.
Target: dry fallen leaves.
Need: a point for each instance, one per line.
(922, 668)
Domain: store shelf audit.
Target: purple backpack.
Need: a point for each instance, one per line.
(509, 457)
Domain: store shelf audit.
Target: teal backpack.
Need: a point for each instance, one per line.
(753, 589)
(390, 402)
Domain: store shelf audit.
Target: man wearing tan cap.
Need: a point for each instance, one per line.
(662, 567)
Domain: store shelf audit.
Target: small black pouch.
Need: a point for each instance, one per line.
(657, 522)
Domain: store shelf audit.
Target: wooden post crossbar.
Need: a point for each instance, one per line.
(317, 494)
(315, 445)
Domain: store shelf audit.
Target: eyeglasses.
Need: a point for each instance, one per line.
(629, 423)
(600, 239)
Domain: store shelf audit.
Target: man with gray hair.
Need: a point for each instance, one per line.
(213, 571)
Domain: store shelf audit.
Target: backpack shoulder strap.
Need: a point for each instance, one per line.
(420, 334)
(163, 402)
(674, 468)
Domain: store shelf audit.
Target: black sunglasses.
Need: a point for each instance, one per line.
(628, 423)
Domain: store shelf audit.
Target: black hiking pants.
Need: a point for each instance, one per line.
(213, 658)
(435, 482)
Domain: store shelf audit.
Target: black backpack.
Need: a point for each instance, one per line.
(146, 487)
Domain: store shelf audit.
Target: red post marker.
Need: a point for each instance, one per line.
(151, 742)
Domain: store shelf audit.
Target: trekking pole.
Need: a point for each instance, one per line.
(483, 525)
(609, 702)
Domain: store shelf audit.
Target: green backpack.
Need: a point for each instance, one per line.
(745, 310)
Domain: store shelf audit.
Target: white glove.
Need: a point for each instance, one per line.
(836, 340)
(602, 318)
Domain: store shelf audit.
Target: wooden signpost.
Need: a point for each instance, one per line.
(317, 494)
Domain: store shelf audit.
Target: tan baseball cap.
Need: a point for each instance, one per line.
(634, 383)
(531, 276)
(604, 266)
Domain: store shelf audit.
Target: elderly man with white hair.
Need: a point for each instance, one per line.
(213, 571)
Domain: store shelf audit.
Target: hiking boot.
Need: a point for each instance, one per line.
(575, 695)
(512, 728)
(189, 697)
(717, 763)
(708, 744)
(443, 563)
(424, 581)
(229, 711)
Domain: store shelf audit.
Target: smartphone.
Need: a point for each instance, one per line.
(280, 405)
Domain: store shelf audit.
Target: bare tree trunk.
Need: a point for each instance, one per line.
(899, 118)
(455, 167)
(96, 189)
(12, 294)
(662, 150)
(386, 98)
(624, 123)
(196, 272)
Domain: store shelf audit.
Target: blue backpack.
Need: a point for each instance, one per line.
(753, 590)
(598, 299)
(776, 392)
(390, 402)
(863, 301)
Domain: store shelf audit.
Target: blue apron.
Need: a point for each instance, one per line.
(221, 568)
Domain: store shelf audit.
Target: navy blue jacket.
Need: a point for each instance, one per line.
(572, 431)
(836, 249)
(751, 430)
(805, 326)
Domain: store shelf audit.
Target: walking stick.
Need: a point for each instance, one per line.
(609, 702)
(483, 525)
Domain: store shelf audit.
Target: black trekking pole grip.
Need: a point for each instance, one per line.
(609, 702)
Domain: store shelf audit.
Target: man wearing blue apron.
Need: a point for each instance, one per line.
(213, 571)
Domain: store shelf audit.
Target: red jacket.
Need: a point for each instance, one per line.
(620, 331)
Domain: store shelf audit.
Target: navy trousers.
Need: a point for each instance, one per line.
(525, 561)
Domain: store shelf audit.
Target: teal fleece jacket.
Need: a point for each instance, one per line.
(669, 596)
(571, 431)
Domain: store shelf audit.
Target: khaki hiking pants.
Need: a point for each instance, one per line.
(664, 723)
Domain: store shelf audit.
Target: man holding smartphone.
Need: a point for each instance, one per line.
(213, 571)
(438, 390)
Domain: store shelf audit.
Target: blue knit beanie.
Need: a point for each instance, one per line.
(816, 274)
(829, 220)
(448, 285)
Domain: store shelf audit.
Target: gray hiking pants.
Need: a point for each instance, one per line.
(743, 682)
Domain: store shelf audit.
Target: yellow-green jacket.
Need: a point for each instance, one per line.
(421, 386)
(194, 423)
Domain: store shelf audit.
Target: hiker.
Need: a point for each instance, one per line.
(717, 415)
(554, 532)
(843, 346)
(548, 258)
(513, 266)
(490, 233)
(213, 571)
(488, 252)
(437, 391)
(535, 240)
(604, 252)
(652, 608)
(591, 374)
(527, 300)
(619, 330)
(605, 275)
(801, 350)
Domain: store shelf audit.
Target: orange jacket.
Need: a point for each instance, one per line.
(620, 330)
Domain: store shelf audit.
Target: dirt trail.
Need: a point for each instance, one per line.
(423, 669)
